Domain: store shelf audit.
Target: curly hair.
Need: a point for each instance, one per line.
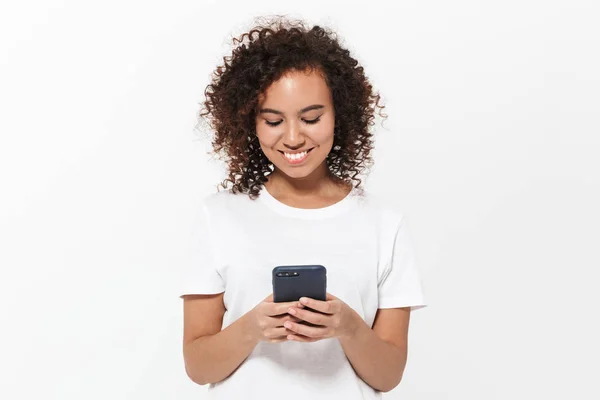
(260, 57)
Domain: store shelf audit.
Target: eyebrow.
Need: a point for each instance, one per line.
(305, 109)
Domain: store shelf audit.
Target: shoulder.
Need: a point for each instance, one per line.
(384, 207)
(224, 200)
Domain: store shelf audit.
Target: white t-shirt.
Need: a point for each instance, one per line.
(364, 244)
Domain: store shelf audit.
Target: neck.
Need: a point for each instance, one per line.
(319, 181)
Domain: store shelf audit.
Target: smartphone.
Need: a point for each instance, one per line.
(290, 282)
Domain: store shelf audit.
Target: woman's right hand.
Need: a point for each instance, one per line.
(267, 319)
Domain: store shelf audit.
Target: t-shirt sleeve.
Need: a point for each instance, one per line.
(200, 275)
(401, 285)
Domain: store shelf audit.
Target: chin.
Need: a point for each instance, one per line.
(296, 173)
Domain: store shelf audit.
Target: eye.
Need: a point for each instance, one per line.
(313, 121)
(310, 122)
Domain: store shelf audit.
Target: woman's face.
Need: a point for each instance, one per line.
(295, 123)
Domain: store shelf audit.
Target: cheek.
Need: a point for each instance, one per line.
(322, 136)
(267, 138)
(321, 133)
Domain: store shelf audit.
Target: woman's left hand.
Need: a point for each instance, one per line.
(334, 319)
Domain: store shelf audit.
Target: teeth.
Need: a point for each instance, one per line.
(296, 156)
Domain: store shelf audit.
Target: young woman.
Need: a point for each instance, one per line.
(291, 111)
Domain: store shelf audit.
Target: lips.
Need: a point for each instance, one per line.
(297, 157)
(296, 152)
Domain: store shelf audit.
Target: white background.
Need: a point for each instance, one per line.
(492, 147)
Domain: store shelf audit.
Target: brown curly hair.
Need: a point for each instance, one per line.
(274, 47)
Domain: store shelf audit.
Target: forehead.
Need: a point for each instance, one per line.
(295, 90)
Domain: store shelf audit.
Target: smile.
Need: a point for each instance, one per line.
(296, 158)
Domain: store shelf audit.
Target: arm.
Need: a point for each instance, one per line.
(208, 352)
(379, 355)
(212, 354)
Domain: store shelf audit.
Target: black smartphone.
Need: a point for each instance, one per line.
(290, 282)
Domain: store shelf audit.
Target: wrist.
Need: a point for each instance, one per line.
(354, 327)
(248, 328)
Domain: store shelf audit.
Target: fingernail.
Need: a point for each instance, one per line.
(288, 325)
(292, 311)
(304, 300)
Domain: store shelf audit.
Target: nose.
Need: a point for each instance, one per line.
(293, 138)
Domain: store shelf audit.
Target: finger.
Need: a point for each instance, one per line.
(326, 307)
(274, 309)
(329, 296)
(269, 299)
(285, 317)
(277, 340)
(310, 316)
(300, 338)
(281, 319)
(309, 331)
(279, 335)
(276, 333)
